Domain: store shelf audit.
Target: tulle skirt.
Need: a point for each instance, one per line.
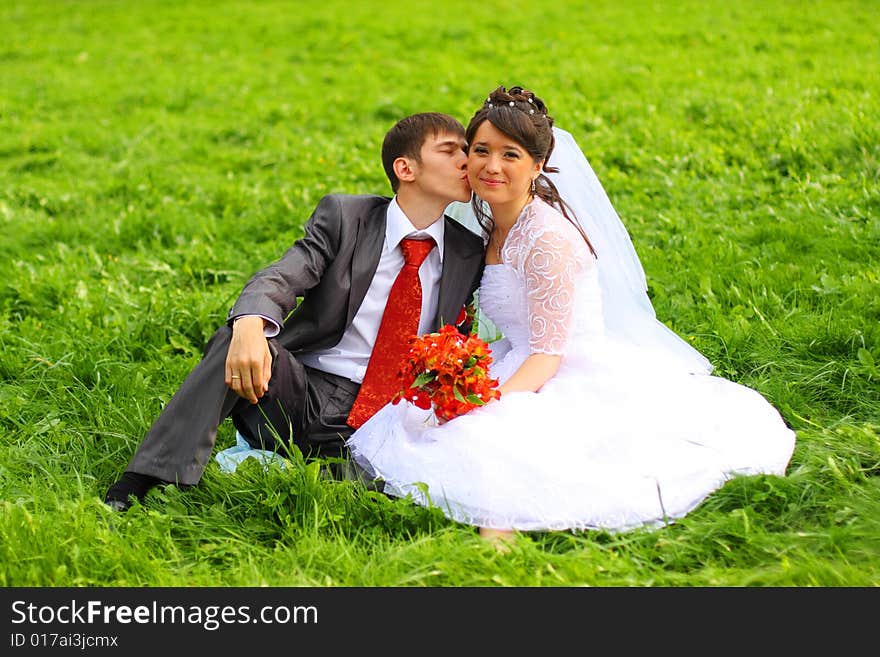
(605, 444)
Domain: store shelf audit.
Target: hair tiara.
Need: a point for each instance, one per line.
(533, 107)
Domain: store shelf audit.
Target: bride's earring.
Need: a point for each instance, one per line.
(533, 187)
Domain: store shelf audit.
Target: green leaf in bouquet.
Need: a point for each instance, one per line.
(423, 378)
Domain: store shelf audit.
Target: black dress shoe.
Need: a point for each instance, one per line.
(118, 505)
(131, 484)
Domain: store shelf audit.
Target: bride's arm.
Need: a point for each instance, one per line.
(535, 371)
(550, 269)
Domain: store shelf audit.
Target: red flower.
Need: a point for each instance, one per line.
(467, 317)
(449, 371)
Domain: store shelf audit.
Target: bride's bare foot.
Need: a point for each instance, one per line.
(500, 538)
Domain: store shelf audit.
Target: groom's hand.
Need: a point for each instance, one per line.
(248, 361)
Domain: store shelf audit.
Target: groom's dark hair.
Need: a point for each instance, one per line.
(406, 137)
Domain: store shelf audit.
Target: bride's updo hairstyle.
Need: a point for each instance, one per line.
(523, 117)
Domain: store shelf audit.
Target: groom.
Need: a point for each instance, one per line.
(289, 363)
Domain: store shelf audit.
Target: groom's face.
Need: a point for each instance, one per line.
(442, 171)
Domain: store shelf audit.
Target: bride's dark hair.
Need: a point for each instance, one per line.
(523, 117)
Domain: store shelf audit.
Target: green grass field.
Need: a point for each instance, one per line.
(154, 154)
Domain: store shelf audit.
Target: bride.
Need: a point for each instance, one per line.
(607, 419)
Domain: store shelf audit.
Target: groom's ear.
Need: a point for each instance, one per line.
(404, 169)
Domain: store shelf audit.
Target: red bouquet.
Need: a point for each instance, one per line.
(449, 371)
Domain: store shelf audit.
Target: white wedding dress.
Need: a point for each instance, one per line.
(621, 437)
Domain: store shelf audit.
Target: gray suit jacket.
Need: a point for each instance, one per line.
(315, 289)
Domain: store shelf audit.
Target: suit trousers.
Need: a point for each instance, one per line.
(305, 406)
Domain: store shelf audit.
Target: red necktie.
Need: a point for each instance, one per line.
(400, 322)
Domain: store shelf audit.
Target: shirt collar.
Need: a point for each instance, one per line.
(398, 226)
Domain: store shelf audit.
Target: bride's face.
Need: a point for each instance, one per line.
(500, 170)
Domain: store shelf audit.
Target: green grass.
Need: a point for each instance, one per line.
(154, 154)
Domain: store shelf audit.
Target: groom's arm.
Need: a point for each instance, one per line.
(271, 294)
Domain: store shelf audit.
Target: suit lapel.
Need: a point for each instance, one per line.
(365, 259)
(458, 271)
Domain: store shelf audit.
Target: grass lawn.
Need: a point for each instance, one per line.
(155, 154)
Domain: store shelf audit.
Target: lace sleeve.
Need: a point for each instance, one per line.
(550, 269)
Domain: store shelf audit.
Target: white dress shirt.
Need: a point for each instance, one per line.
(349, 358)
